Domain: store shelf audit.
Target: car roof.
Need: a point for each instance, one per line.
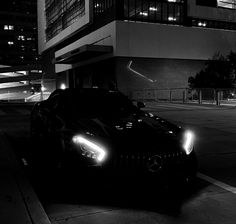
(82, 91)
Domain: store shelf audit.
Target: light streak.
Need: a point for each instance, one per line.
(138, 73)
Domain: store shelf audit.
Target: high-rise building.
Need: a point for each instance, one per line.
(132, 44)
(18, 32)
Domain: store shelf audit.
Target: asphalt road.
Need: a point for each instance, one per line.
(211, 200)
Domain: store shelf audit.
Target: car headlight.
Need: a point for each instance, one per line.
(188, 142)
(89, 148)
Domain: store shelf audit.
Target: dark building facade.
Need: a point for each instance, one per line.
(18, 32)
(132, 44)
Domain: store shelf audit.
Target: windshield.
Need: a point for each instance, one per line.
(99, 105)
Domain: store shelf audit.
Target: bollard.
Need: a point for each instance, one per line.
(218, 93)
(156, 95)
(170, 96)
(200, 96)
(184, 96)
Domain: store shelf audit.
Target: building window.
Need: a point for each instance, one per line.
(21, 37)
(101, 6)
(231, 4)
(163, 11)
(61, 14)
(8, 27)
(214, 24)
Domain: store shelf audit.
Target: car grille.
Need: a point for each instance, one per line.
(134, 160)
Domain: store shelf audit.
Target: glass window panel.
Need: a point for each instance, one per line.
(227, 3)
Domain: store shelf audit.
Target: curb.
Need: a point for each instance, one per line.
(28, 200)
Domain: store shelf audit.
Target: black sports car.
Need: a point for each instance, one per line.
(98, 131)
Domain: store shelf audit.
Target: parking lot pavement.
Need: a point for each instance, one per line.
(167, 106)
(18, 202)
(212, 202)
(215, 131)
(211, 205)
(207, 204)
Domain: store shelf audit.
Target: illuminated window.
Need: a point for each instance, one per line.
(21, 38)
(231, 4)
(143, 13)
(170, 18)
(8, 27)
(161, 11)
(203, 24)
(153, 9)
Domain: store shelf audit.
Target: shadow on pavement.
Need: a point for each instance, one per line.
(136, 195)
(68, 188)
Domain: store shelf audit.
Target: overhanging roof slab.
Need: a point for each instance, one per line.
(83, 53)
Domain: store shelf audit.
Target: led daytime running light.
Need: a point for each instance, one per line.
(188, 142)
(83, 141)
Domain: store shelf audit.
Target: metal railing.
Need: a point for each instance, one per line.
(186, 95)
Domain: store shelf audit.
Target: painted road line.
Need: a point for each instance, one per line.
(217, 183)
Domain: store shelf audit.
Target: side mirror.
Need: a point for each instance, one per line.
(140, 105)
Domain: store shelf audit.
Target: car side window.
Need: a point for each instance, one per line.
(54, 101)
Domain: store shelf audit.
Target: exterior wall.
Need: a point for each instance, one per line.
(101, 74)
(210, 13)
(152, 73)
(176, 42)
(142, 73)
(158, 41)
(167, 55)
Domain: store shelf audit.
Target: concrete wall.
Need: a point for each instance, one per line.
(173, 42)
(131, 39)
(100, 75)
(147, 73)
(162, 56)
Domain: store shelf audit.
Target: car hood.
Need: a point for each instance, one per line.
(144, 133)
